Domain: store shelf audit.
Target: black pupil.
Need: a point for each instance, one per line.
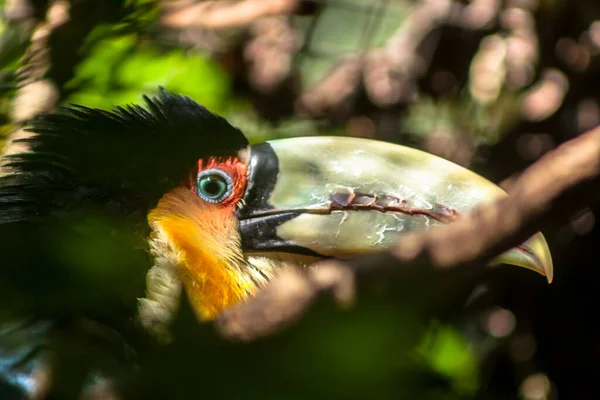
(212, 186)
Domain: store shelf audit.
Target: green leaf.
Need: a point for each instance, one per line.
(120, 70)
(446, 351)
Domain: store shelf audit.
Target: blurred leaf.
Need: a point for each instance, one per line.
(445, 350)
(257, 130)
(120, 70)
(344, 27)
(462, 115)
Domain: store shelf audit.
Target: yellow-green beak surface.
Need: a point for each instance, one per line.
(341, 197)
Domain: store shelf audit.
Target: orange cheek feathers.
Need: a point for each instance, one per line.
(206, 242)
(210, 282)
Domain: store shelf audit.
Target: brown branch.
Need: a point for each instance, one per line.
(220, 15)
(49, 64)
(545, 196)
(37, 92)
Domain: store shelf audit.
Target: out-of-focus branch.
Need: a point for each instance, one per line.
(270, 52)
(220, 14)
(388, 73)
(37, 93)
(49, 63)
(545, 97)
(547, 194)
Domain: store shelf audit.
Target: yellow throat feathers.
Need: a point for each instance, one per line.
(205, 242)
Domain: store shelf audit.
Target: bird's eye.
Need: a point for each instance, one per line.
(214, 185)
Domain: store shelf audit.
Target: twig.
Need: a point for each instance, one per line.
(49, 64)
(37, 92)
(220, 15)
(546, 195)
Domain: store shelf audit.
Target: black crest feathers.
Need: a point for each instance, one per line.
(126, 158)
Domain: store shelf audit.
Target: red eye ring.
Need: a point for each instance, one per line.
(227, 181)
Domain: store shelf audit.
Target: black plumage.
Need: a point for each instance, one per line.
(126, 158)
(73, 229)
(88, 183)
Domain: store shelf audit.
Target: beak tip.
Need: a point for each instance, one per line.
(533, 255)
(539, 257)
(545, 268)
(546, 272)
(549, 272)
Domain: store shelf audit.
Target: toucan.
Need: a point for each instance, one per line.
(172, 201)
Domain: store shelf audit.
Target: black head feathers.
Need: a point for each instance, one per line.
(126, 158)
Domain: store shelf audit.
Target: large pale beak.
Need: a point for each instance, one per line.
(341, 197)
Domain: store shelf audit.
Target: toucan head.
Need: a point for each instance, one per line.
(221, 217)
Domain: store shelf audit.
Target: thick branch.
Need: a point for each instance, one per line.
(221, 15)
(546, 195)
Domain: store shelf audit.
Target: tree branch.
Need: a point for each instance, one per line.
(221, 15)
(546, 195)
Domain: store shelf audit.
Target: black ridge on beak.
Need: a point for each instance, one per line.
(258, 218)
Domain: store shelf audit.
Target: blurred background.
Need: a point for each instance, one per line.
(489, 84)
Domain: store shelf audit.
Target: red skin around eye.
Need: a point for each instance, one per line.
(233, 167)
